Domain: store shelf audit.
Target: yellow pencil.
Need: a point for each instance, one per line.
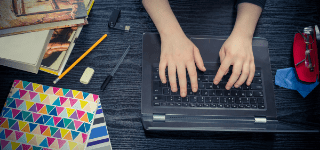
(80, 58)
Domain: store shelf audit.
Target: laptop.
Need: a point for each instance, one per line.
(212, 108)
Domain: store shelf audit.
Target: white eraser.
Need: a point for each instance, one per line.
(86, 76)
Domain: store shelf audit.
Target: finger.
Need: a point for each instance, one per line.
(162, 70)
(222, 55)
(236, 71)
(244, 74)
(222, 69)
(181, 69)
(198, 59)
(192, 71)
(252, 71)
(172, 76)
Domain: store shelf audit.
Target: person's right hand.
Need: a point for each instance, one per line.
(179, 53)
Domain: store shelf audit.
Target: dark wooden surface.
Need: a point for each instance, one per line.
(121, 101)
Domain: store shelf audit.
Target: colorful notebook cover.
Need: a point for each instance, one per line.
(99, 137)
(39, 117)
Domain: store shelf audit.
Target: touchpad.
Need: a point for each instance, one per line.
(209, 48)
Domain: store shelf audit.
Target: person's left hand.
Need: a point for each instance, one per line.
(236, 51)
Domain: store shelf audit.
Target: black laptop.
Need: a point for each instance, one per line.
(212, 108)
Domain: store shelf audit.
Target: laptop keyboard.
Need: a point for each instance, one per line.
(209, 95)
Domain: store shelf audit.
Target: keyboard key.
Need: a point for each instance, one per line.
(257, 73)
(156, 104)
(261, 106)
(238, 100)
(226, 106)
(199, 78)
(159, 98)
(198, 93)
(234, 93)
(188, 85)
(255, 86)
(220, 105)
(156, 77)
(260, 100)
(227, 93)
(254, 106)
(240, 106)
(249, 93)
(189, 92)
(257, 80)
(166, 91)
(204, 79)
(201, 85)
(215, 99)
(245, 100)
(177, 98)
(215, 86)
(230, 100)
(257, 93)
(204, 92)
(242, 93)
(192, 105)
(212, 92)
(208, 85)
(169, 98)
(193, 99)
(208, 100)
(205, 105)
(225, 78)
(155, 70)
(177, 104)
(234, 105)
(211, 78)
(248, 106)
(223, 99)
(210, 72)
(199, 105)
(213, 105)
(170, 104)
(185, 99)
(156, 84)
(163, 84)
(157, 90)
(253, 100)
(245, 87)
(200, 99)
(176, 93)
(184, 104)
(163, 104)
(219, 93)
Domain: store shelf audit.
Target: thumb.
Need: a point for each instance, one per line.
(198, 59)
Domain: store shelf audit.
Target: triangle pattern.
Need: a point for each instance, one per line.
(59, 110)
(65, 91)
(79, 96)
(35, 86)
(11, 122)
(25, 114)
(39, 89)
(83, 103)
(26, 129)
(77, 105)
(29, 137)
(15, 112)
(25, 83)
(49, 91)
(8, 114)
(50, 122)
(19, 116)
(46, 101)
(63, 100)
(26, 97)
(47, 132)
(60, 124)
(56, 120)
(50, 140)
(90, 116)
(80, 113)
(42, 96)
(61, 143)
(85, 94)
(53, 130)
(49, 108)
(36, 98)
(29, 104)
(16, 95)
(53, 112)
(73, 101)
(19, 102)
(45, 88)
(40, 120)
(43, 110)
(29, 87)
(59, 92)
(23, 106)
(32, 95)
(85, 118)
(69, 94)
(32, 126)
(19, 85)
(29, 119)
(66, 121)
(44, 143)
(64, 132)
(71, 126)
(56, 102)
(68, 136)
(74, 134)
(15, 126)
(74, 115)
(57, 134)
(82, 128)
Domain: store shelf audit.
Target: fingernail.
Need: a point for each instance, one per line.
(173, 89)
(249, 83)
(194, 90)
(183, 94)
(215, 82)
(236, 85)
(163, 81)
(228, 87)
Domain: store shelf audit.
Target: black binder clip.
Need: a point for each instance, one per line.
(113, 21)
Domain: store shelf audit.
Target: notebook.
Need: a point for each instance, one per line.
(45, 117)
(99, 137)
(24, 51)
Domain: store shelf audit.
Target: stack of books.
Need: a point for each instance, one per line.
(40, 117)
(40, 34)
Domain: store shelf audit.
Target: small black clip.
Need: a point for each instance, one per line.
(113, 21)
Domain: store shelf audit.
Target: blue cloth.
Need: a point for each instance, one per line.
(287, 78)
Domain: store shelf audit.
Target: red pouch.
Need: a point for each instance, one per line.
(299, 48)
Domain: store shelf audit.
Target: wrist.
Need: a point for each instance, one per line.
(242, 33)
(171, 32)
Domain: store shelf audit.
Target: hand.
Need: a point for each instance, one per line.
(236, 51)
(179, 53)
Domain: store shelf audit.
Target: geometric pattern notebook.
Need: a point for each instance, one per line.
(40, 117)
(99, 137)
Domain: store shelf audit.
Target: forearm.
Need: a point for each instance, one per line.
(163, 17)
(247, 17)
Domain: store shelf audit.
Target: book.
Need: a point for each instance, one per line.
(21, 16)
(45, 117)
(99, 137)
(61, 45)
(24, 51)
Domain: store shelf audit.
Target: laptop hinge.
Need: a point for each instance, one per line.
(260, 120)
(159, 117)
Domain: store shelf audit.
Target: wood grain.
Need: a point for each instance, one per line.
(121, 102)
